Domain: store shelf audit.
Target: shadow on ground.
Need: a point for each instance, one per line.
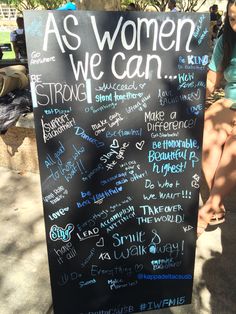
(24, 279)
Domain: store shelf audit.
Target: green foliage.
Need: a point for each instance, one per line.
(159, 5)
(190, 5)
(162, 5)
(22, 5)
(51, 4)
(33, 4)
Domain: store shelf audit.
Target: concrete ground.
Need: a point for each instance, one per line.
(24, 277)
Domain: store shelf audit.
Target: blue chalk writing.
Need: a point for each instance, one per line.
(93, 172)
(165, 263)
(87, 283)
(102, 195)
(166, 144)
(167, 168)
(124, 133)
(35, 28)
(164, 277)
(171, 155)
(101, 108)
(127, 96)
(57, 111)
(63, 234)
(113, 178)
(80, 132)
(155, 305)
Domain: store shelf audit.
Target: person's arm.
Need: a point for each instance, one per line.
(213, 81)
(15, 49)
(14, 46)
(215, 75)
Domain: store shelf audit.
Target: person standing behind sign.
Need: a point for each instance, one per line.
(17, 38)
(172, 6)
(215, 22)
(219, 139)
(131, 7)
(214, 14)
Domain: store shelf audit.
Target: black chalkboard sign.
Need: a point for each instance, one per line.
(118, 102)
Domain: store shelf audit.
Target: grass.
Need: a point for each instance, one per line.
(5, 39)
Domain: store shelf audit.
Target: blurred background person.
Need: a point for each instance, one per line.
(131, 7)
(215, 23)
(172, 6)
(17, 38)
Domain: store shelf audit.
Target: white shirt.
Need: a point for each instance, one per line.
(19, 31)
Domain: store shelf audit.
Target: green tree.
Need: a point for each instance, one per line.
(162, 5)
(22, 5)
(107, 5)
(51, 4)
(191, 5)
(33, 4)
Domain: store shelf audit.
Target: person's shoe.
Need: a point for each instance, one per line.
(215, 220)
(205, 214)
(218, 218)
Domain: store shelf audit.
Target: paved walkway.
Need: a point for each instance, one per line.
(24, 278)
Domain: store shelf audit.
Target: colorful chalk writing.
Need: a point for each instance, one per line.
(118, 105)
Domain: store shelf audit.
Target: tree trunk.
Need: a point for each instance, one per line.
(100, 5)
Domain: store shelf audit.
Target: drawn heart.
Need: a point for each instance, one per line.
(197, 94)
(139, 145)
(99, 144)
(100, 242)
(114, 144)
(138, 268)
